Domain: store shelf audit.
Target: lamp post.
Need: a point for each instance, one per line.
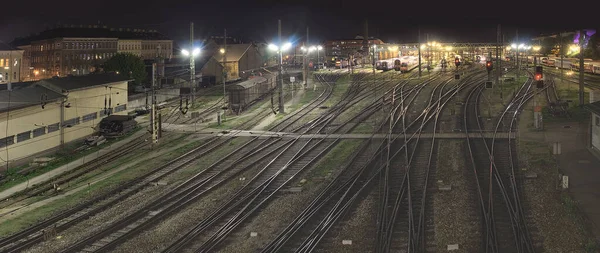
(319, 48)
(195, 52)
(279, 50)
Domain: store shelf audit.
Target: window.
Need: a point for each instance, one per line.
(106, 112)
(89, 117)
(4, 142)
(24, 136)
(39, 131)
(120, 108)
(71, 122)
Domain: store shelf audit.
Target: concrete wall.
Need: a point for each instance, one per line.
(595, 131)
(594, 96)
(139, 100)
(82, 104)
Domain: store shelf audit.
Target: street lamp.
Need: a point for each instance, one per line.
(319, 48)
(195, 52)
(279, 50)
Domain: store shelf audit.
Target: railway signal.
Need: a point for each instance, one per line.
(457, 62)
(489, 66)
(539, 75)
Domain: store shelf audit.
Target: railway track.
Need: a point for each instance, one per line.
(34, 234)
(192, 189)
(260, 191)
(77, 172)
(555, 104)
(354, 182)
(492, 161)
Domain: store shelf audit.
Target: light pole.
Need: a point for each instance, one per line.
(195, 52)
(279, 50)
(319, 48)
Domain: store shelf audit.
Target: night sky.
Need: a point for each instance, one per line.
(392, 21)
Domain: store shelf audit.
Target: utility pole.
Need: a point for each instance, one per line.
(225, 71)
(498, 61)
(305, 64)
(419, 47)
(153, 123)
(192, 67)
(581, 70)
(373, 56)
(281, 105)
(518, 65)
(562, 56)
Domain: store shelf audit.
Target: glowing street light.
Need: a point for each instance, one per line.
(536, 48)
(276, 48)
(195, 52)
(222, 50)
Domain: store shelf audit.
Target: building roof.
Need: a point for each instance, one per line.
(5, 47)
(253, 80)
(17, 85)
(26, 96)
(234, 52)
(71, 83)
(593, 107)
(180, 67)
(87, 32)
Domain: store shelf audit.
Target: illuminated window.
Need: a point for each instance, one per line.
(1, 62)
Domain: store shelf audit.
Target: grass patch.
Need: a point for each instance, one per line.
(334, 159)
(119, 178)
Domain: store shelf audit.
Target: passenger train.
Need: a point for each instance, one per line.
(589, 66)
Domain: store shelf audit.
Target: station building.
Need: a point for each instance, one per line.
(42, 115)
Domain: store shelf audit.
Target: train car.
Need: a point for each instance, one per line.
(114, 126)
(596, 69)
(563, 64)
(550, 63)
(246, 93)
(340, 63)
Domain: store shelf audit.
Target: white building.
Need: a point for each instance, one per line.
(10, 64)
(43, 115)
(130, 46)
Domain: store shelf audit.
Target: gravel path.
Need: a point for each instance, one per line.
(456, 215)
(552, 223)
(285, 207)
(358, 225)
(163, 234)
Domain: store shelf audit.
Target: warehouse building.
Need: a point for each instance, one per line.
(43, 115)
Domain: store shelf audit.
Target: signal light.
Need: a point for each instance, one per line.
(489, 66)
(456, 61)
(538, 76)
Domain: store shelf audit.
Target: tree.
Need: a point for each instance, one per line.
(128, 65)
